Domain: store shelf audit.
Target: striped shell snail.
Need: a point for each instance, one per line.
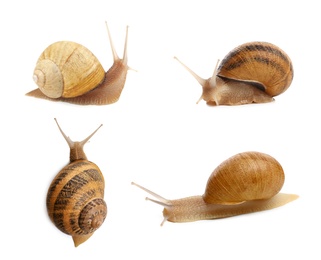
(67, 71)
(245, 183)
(253, 72)
(75, 198)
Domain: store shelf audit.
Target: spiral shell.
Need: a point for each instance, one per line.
(69, 72)
(75, 198)
(244, 177)
(67, 69)
(259, 62)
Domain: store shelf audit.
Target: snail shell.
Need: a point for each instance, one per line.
(259, 62)
(253, 72)
(67, 71)
(75, 201)
(245, 183)
(246, 176)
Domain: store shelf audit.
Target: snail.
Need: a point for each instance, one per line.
(75, 198)
(67, 71)
(253, 72)
(246, 182)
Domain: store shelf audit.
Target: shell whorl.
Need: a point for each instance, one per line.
(259, 62)
(67, 69)
(49, 79)
(244, 177)
(75, 198)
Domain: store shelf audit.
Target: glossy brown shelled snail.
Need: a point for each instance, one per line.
(253, 72)
(67, 71)
(245, 183)
(75, 198)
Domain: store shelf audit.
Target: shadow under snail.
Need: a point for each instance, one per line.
(253, 72)
(246, 182)
(75, 198)
(67, 71)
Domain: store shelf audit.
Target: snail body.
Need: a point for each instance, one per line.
(75, 198)
(67, 71)
(245, 183)
(253, 72)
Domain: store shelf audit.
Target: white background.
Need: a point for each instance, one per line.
(156, 135)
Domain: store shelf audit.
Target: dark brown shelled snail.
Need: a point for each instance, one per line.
(253, 72)
(75, 198)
